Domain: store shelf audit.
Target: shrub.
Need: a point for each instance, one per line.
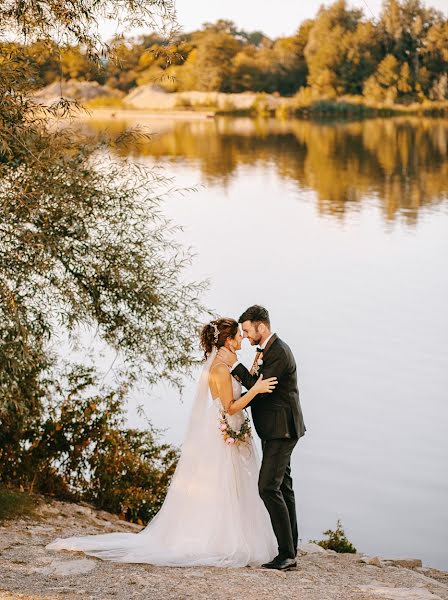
(104, 102)
(336, 540)
(228, 106)
(15, 504)
(260, 106)
(78, 448)
(183, 102)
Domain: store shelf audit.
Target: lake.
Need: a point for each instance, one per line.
(341, 231)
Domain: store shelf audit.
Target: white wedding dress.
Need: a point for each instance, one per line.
(212, 514)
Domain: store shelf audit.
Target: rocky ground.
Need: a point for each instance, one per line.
(28, 571)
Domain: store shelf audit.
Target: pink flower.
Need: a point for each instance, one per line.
(230, 441)
(223, 427)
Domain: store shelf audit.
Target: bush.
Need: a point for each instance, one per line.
(336, 540)
(284, 110)
(14, 504)
(104, 102)
(183, 102)
(78, 448)
(83, 247)
(260, 106)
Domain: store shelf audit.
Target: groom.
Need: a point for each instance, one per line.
(278, 421)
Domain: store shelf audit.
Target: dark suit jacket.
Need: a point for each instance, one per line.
(278, 414)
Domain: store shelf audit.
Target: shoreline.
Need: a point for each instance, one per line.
(141, 113)
(333, 113)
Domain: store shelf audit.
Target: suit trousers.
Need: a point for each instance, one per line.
(276, 491)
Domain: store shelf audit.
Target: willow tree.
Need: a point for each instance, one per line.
(83, 242)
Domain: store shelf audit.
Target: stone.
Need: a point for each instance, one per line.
(408, 563)
(102, 514)
(84, 510)
(311, 548)
(400, 593)
(79, 90)
(67, 567)
(423, 570)
(375, 561)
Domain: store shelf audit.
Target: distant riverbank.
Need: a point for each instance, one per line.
(154, 101)
(131, 114)
(268, 107)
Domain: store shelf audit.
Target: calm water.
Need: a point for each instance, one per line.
(341, 230)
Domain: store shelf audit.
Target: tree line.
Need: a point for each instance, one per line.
(400, 57)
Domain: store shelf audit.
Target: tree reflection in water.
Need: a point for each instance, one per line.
(401, 162)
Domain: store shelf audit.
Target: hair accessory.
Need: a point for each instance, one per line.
(216, 334)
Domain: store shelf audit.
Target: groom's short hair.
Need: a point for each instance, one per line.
(255, 313)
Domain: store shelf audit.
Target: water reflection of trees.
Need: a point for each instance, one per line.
(401, 162)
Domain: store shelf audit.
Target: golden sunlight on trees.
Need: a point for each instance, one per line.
(401, 58)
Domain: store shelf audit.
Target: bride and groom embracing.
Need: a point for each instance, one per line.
(223, 508)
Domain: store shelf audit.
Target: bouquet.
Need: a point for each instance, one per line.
(231, 436)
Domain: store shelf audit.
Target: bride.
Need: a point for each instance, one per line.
(212, 514)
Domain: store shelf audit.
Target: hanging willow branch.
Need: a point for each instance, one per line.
(83, 242)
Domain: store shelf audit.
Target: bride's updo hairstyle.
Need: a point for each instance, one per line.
(215, 334)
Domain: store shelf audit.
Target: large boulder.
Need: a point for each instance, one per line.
(75, 90)
(408, 563)
(150, 97)
(153, 97)
(311, 548)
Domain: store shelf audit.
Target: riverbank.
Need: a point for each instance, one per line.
(28, 571)
(130, 114)
(320, 109)
(153, 100)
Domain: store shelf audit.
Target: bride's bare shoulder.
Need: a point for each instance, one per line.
(219, 370)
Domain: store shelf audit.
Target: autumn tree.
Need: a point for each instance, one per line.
(337, 53)
(383, 85)
(416, 36)
(341, 51)
(289, 62)
(215, 47)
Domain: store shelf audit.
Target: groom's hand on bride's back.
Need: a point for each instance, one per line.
(227, 356)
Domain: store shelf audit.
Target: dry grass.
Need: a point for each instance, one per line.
(15, 504)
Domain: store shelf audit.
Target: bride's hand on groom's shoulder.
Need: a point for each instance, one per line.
(230, 358)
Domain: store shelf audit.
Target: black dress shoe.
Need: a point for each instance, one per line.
(286, 564)
(281, 564)
(272, 564)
